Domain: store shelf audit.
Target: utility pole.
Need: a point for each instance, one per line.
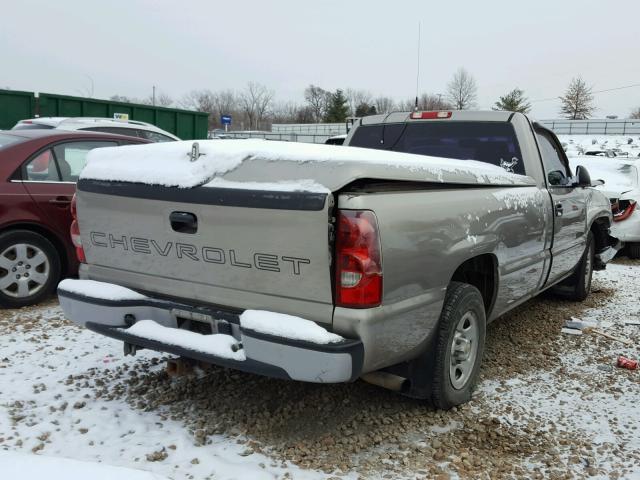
(153, 97)
(418, 70)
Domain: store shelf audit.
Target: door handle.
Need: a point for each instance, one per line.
(60, 201)
(559, 209)
(183, 222)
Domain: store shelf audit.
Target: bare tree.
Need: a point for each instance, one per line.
(162, 100)
(255, 101)
(384, 104)
(122, 98)
(427, 101)
(462, 90)
(577, 101)
(285, 112)
(317, 98)
(305, 115)
(432, 101)
(226, 102)
(635, 114)
(356, 98)
(201, 101)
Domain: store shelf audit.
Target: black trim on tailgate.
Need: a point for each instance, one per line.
(232, 197)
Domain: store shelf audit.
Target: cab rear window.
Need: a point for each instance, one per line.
(489, 142)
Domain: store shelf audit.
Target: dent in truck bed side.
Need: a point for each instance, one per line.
(425, 237)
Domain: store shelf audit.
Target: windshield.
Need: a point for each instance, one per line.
(489, 142)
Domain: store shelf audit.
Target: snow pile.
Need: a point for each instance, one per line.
(305, 185)
(287, 326)
(619, 175)
(102, 290)
(217, 344)
(39, 467)
(169, 164)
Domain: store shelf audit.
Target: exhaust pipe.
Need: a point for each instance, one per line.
(385, 380)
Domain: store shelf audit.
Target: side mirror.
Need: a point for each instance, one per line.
(583, 179)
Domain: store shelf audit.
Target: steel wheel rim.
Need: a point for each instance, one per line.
(464, 350)
(24, 270)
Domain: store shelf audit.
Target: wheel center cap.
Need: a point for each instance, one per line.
(463, 348)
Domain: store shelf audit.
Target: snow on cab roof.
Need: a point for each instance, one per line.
(171, 165)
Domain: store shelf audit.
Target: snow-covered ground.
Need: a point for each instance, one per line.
(625, 145)
(48, 407)
(549, 405)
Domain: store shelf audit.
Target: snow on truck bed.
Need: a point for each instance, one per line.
(279, 166)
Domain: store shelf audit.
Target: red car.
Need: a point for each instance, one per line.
(38, 174)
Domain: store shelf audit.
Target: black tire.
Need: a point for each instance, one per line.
(461, 300)
(578, 286)
(47, 272)
(633, 250)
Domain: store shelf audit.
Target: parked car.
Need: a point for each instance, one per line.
(336, 140)
(622, 187)
(599, 152)
(130, 128)
(325, 264)
(38, 173)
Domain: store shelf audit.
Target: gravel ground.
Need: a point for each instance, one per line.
(548, 405)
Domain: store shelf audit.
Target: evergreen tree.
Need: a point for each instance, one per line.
(365, 109)
(514, 101)
(337, 110)
(577, 102)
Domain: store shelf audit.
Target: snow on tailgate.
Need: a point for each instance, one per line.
(297, 164)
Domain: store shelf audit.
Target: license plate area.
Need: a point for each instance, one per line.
(201, 323)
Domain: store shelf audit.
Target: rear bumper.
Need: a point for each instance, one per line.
(265, 354)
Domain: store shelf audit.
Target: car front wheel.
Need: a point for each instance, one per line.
(29, 268)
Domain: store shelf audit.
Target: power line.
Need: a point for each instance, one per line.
(597, 91)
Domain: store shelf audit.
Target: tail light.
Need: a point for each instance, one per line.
(358, 260)
(74, 230)
(622, 209)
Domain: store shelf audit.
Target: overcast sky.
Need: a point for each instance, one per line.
(126, 46)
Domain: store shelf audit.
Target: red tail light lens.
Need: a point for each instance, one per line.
(358, 260)
(74, 231)
(622, 209)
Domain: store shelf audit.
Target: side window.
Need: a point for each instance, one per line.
(42, 168)
(554, 166)
(72, 156)
(368, 136)
(154, 136)
(129, 132)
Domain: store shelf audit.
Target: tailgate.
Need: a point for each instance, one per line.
(228, 247)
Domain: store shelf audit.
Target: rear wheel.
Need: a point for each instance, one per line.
(459, 346)
(633, 250)
(29, 268)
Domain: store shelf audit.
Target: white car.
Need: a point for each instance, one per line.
(622, 186)
(131, 128)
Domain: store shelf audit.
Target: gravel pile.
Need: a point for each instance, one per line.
(338, 429)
